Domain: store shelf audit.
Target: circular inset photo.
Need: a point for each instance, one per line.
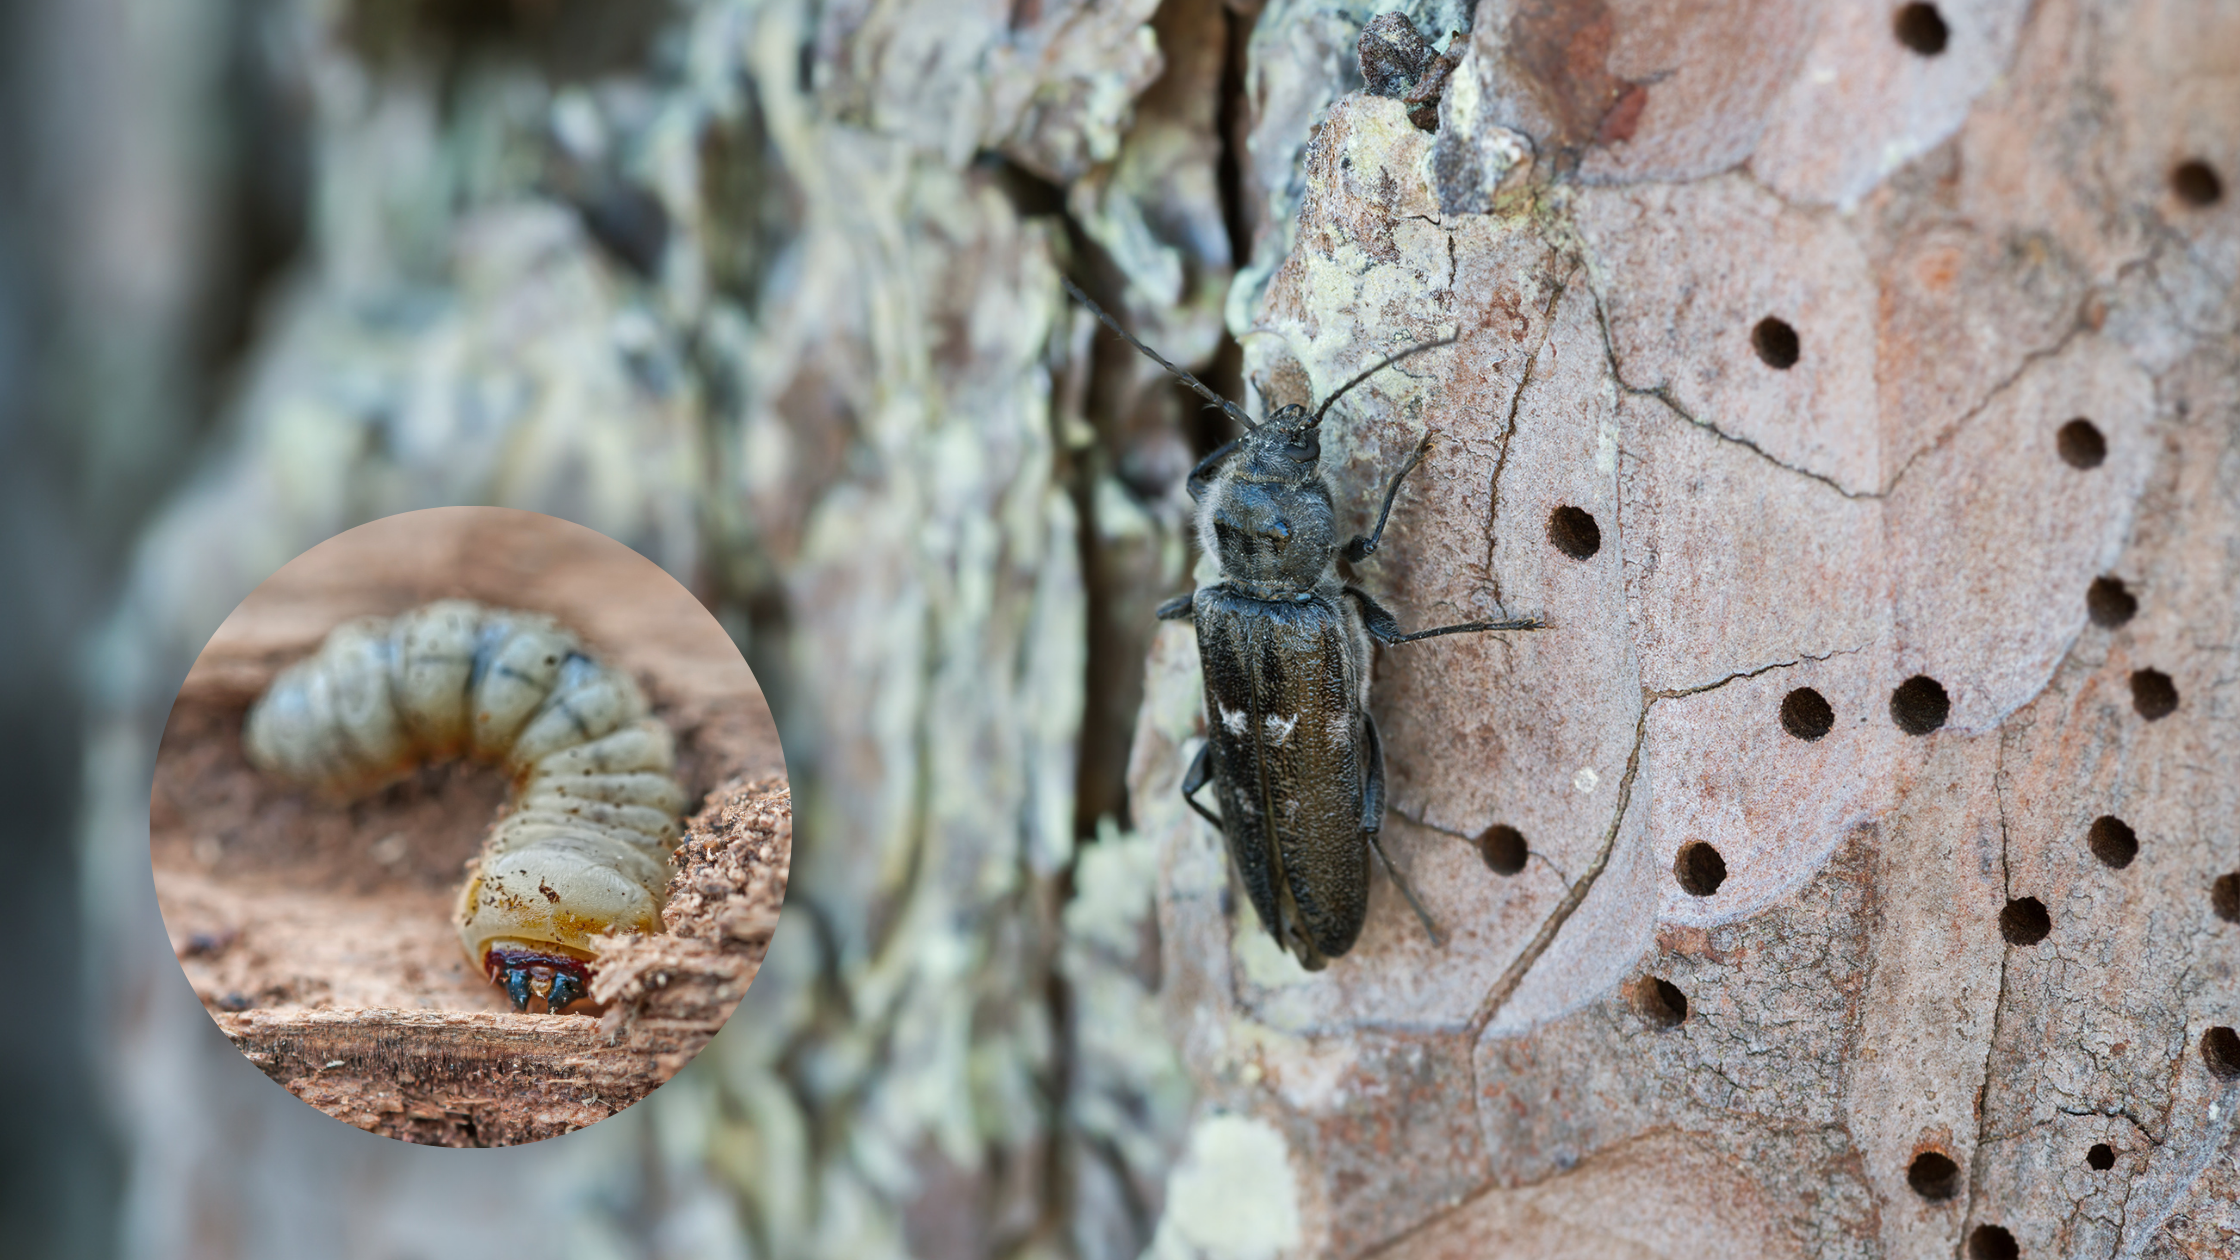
(470, 827)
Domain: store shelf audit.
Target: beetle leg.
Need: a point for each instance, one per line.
(1197, 776)
(1202, 476)
(1385, 628)
(1372, 822)
(1365, 545)
(1381, 624)
(1180, 608)
(1372, 792)
(1473, 627)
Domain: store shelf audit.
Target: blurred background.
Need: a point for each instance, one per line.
(768, 290)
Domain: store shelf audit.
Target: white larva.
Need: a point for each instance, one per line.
(584, 847)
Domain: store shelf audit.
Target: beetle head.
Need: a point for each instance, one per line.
(1286, 445)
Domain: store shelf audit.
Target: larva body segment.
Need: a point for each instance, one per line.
(435, 647)
(583, 849)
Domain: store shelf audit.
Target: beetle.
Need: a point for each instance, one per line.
(1284, 643)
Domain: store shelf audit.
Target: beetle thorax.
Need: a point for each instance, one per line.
(1269, 518)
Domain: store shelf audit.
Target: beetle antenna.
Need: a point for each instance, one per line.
(1389, 360)
(1230, 409)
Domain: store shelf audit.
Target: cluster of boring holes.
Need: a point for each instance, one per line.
(1921, 705)
(2108, 602)
(2080, 444)
(1776, 343)
(2154, 696)
(1933, 1176)
(1993, 1242)
(2196, 183)
(1921, 28)
(1574, 532)
(1660, 1003)
(1503, 848)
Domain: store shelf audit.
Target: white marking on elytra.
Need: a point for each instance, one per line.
(1232, 720)
(1279, 729)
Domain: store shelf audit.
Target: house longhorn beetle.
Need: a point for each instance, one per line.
(1284, 644)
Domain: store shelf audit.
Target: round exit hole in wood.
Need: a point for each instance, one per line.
(2112, 841)
(2224, 896)
(2153, 694)
(1933, 1176)
(1993, 1242)
(2100, 1158)
(1776, 343)
(1503, 848)
(2196, 183)
(2220, 1049)
(1919, 705)
(1806, 714)
(1921, 28)
(1660, 1003)
(1699, 868)
(2110, 603)
(2025, 921)
(2080, 444)
(504, 676)
(1574, 532)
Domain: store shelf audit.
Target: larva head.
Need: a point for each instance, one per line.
(554, 895)
(536, 972)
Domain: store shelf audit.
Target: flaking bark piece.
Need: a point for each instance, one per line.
(1397, 61)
